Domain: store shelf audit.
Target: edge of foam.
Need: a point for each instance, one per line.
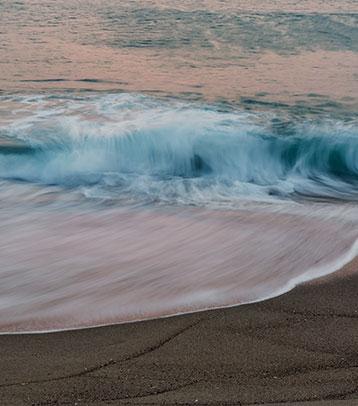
(310, 274)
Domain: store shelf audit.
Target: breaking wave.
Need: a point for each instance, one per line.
(133, 147)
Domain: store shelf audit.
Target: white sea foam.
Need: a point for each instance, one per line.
(127, 146)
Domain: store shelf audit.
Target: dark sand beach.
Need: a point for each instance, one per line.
(158, 157)
(299, 347)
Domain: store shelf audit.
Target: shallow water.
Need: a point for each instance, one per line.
(165, 158)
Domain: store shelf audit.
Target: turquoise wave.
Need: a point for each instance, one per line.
(139, 148)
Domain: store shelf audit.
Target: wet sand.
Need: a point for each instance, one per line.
(299, 347)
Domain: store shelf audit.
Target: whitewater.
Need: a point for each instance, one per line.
(127, 146)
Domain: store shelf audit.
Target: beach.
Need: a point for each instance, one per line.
(178, 202)
(298, 347)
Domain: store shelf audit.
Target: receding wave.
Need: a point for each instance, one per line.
(126, 146)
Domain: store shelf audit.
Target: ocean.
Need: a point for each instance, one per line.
(159, 158)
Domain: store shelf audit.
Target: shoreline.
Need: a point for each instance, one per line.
(311, 275)
(297, 347)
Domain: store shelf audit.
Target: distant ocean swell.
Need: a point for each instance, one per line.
(134, 147)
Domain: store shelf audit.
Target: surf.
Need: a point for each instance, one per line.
(137, 147)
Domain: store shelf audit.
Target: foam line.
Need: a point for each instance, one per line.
(312, 273)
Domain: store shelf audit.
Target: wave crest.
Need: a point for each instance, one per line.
(133, 147)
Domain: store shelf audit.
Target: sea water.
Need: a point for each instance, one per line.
(159, 158)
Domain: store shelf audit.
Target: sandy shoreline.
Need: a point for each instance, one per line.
(69, 269)
(299, 347)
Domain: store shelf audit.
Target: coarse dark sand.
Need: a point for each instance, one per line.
(299, 348)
